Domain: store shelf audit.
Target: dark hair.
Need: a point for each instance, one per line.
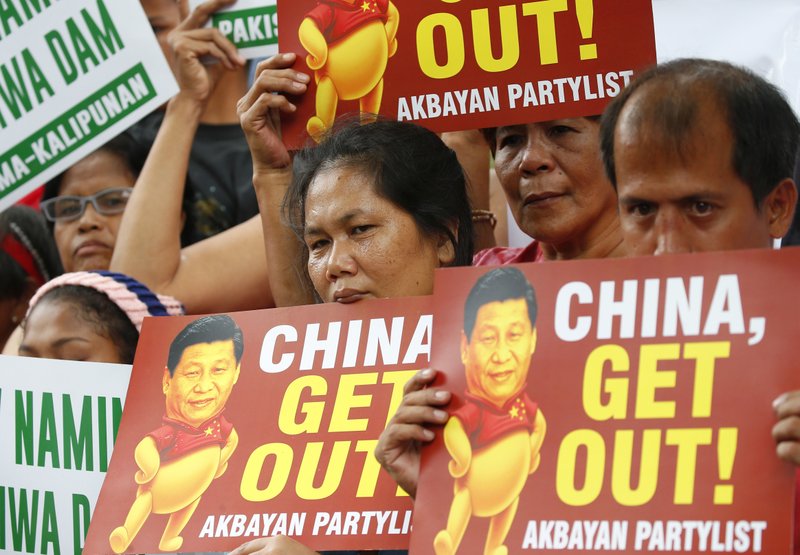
(765, 129)
(100, 312)
(412, 168)
(500, 284)
(208, 329)
(28, 228)
(131, 149)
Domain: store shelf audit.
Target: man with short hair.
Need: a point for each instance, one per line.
(702, 154)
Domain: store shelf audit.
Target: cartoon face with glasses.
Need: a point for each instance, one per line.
(86, 214)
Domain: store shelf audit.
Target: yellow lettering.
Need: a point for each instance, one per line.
(651, 379)
(252, 471)
(567, 491)
(371, 470)
(615, 388)
(310, 466)
(687, 440)
(454, 40)
(622, 467)
(346, 399)
(545, 11)
(290, 406)
(705, 355)
(482, 40)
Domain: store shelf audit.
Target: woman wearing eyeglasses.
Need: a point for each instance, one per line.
(84, 204)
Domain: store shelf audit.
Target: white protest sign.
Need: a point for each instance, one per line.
(251, 25)
(72, 76)
(763, 36)
(58, 423)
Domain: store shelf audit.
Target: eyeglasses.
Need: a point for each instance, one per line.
(67, 208)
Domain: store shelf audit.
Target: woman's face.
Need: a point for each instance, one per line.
(554, 180)
(363, 246)
(56, 329)
(87, 243)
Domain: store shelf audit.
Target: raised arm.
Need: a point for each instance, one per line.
(259, 114)
(148, 244)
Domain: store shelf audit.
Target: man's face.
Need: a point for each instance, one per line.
(498, 355)
(692, 203)
(202, 382)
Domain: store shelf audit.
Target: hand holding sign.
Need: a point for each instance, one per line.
(399, 446)
(190, 43)
(275, 544)
(787, 431)
(259, 110)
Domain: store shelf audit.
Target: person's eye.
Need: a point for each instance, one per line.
(317, 245)
(642, 209)
(558, 130)
(487, 338)
(360, 229)
(220, 369)
(509, 140)
(67, 208)
(702, 208)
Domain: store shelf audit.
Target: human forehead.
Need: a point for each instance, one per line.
(508, 312)
(341, 192)
(533, 126)
(99, 171)
(53, 320)
(207, 353)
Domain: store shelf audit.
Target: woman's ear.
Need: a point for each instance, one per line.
(446, 247)
(779, 207)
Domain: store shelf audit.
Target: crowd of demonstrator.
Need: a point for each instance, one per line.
(694, 155)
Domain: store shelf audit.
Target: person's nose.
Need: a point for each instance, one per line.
(204, 383)
(90, 219)
(340, 261)
(672, 235)
(537, 157)
(501, 353)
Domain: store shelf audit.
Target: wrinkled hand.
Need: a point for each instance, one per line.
(259, 110)
(276, 545)
(193, 46)
(398, 448)
(787, 431)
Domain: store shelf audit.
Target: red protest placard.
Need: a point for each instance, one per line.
(454, 65)
(628, 411)
(212, 453)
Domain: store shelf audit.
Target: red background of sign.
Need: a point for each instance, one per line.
(622, 30)
(253, 409)
(744, 387)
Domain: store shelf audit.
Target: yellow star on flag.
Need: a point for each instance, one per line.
(365, 6)
(208, 431)
(514, 412)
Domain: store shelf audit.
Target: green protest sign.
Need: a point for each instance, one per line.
(56, 439)
(72, 76)
(251, 25)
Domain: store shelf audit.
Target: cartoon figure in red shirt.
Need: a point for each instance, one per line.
(494, 439)
(179, 460)
(349, 43)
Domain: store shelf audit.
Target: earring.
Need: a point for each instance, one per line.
(14, 319)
